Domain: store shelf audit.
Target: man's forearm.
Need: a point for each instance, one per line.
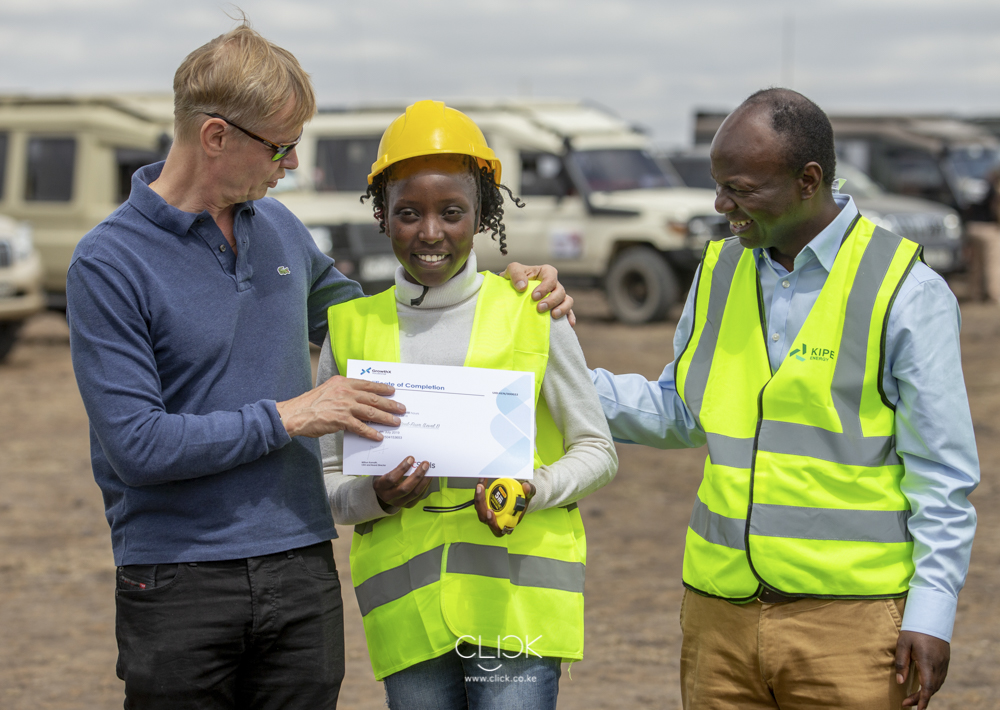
(643, 412)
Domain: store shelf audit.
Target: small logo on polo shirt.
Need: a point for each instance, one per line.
(284, 270)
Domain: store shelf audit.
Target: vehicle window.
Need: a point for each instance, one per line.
(50, 169)
(911, 171)
(129, 160)
(974, 161)
(857, 152)
(695, 171)
(620, 169)
(343, 164)
(544, 174)
(3, 163)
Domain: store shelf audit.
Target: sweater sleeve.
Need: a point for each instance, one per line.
(352, 498)
(590, 461)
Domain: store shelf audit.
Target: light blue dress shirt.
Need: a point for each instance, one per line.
(922, 377)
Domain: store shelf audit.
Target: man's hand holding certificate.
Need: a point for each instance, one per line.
(465, 421)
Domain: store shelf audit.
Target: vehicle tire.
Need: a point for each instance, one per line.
(8, 336)
(640, 286)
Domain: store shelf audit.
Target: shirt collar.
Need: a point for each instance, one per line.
(458, 288)
(825, 245)
(157, 210)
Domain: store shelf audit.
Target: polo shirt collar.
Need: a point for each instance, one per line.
(825, 245)
(158, 211)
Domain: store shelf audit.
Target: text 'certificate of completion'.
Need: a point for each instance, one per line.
(466, 421)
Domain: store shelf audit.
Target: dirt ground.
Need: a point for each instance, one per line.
(57, 640)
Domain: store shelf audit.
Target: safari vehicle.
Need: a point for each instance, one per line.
(67, 162)
(20, 281)
(937, 227)
(598, 207)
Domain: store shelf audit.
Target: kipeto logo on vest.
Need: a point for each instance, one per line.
(806, 353)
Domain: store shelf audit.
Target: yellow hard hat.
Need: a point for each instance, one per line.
(431, 128)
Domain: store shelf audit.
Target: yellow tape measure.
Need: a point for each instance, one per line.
(505, 497)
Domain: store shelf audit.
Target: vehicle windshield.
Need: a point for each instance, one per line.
(620, 169)
(857, 183)
(695, 170)
(974, 161)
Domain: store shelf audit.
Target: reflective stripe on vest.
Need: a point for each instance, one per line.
(424, 579)
(811, 446)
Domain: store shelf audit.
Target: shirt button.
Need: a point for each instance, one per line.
(785, 284)
(775, 337)
(200, 220)
(222, 247)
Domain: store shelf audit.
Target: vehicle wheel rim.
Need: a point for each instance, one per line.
(636, 288)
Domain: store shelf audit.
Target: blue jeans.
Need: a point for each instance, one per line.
(474, 678)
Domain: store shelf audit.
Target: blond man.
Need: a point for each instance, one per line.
(191, 308)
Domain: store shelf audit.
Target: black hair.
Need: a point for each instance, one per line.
(802, 126)
(490, 201)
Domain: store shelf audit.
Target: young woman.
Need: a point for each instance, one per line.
(456, 613)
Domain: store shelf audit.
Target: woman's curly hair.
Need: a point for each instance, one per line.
(490, 202)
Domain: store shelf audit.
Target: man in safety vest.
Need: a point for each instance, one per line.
(818, 358)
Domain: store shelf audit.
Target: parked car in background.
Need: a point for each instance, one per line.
(20, 281)
(598, 207)
(937, 227)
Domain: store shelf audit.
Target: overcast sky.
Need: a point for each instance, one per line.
(652, 61)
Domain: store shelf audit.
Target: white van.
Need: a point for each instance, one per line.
(66, 163)
(598, 207)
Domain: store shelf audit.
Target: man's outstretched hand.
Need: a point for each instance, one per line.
(555, 298)
(341, 404)
(931, 656)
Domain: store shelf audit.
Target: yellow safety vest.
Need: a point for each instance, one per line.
(424, 580)
(801, 490)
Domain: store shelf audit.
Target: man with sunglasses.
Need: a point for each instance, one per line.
(191, 308)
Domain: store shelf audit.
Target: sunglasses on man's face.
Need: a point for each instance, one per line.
(280, 151)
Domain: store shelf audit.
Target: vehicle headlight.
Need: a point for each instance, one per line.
(698, 227)
(973, 190)
(952, 226)
(22, 242)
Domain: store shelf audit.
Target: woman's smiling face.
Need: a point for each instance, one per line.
(432, 215)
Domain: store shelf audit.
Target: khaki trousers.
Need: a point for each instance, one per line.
(810, 653)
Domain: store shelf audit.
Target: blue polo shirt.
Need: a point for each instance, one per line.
(181, 349)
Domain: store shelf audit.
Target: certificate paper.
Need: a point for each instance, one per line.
(466, 421)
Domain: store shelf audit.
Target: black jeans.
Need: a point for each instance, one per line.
(263, 632)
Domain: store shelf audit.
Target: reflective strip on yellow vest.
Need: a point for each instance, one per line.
(801, 486)
(422, 579)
